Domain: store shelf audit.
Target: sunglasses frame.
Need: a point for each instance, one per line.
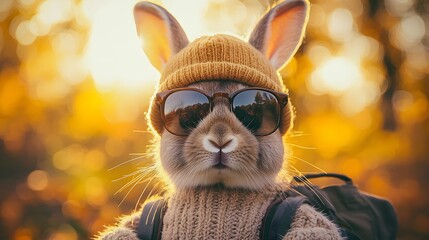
(282, 100)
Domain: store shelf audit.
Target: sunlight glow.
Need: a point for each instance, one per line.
(345, 80)
(23, 34)
(340, 25)
(335, 76)
(114, 53)
(399, 7)
(53, 11)
(190, 15)
(409, 31)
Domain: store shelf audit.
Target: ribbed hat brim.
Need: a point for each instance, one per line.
(218, 71)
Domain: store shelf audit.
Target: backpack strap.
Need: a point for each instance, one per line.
(150, 225)
(279, 216)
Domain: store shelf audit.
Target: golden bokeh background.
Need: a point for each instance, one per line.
(74, 87)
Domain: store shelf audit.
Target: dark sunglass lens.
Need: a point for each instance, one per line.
(183, 110)
(258, 110)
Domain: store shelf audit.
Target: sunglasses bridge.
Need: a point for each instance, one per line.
(223, 95)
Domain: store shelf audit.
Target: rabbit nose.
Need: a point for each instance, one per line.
(215, 146)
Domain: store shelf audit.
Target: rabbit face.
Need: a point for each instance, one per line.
(221, 150)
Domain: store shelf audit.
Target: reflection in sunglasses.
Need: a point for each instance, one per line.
(188, 117)
(257, 109)
(261, 114)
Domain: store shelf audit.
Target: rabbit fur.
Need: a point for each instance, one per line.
(205, 202)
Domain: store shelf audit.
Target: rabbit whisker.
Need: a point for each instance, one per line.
(312, 165)
(123, 163)
(303, 147)
(128, 192)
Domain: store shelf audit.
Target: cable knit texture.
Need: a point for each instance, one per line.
(216, 214)
(212, 213)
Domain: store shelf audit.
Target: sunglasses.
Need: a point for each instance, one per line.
(258, 109)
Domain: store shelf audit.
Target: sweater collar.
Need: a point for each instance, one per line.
(213, 212)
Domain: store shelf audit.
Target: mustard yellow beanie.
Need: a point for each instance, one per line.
(218, 57)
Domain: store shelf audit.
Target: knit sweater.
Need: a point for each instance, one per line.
(215, 213)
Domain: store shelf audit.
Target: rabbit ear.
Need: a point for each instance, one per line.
(280, 32)
(161, 34)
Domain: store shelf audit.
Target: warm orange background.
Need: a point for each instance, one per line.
(74, 87)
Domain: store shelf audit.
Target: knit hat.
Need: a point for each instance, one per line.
(219, 57)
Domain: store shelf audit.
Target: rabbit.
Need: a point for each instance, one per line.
(222, 159)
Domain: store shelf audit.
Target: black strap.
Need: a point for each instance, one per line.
(279, 217)
(151, 219)
(304, 178)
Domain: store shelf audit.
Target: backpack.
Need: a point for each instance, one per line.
(358, 215)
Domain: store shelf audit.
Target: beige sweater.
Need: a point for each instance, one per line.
(214, 213)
